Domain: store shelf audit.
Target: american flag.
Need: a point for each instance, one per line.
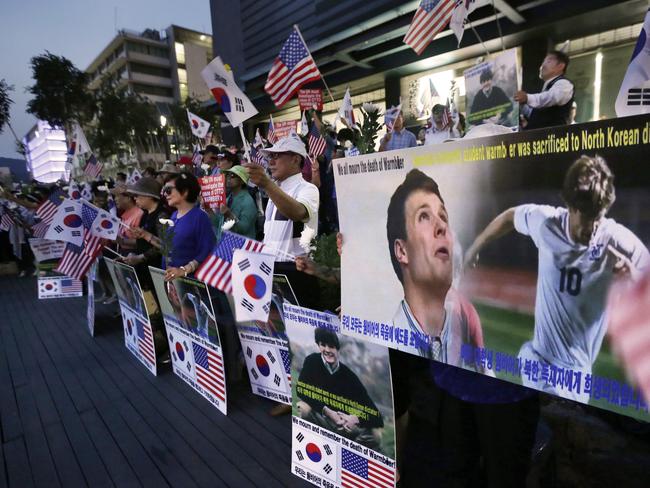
(6, 221)
(446, 116)
(293, 67)
(286, 361)
(197, 159)
(145, 341)
(209, 371)
(48, 208)
(93, 168)
(357, 472)
(316, 142)
(216, 269)
(270, 133)
(76, 260)
(258, 158)
(430, 18)
(40, 229)
(70, 285)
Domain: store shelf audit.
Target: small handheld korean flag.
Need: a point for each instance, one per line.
(134, 177)
(234, 103)
(252, 276)
(198, 126)
(634, 95)
(67, 224)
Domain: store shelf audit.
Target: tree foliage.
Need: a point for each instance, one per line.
(5, 103)
(124, 120)
(60, 91)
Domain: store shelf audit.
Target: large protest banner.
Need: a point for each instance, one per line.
(193, 337)
(343, 422)
(138, 332)
(532, 309)
(490, 87)
(265, 346)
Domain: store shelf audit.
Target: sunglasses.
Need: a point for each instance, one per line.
(168, 190)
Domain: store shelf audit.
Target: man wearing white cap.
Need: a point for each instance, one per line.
(293, 205)
(293, 202)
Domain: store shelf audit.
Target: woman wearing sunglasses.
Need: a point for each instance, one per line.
(193, 238)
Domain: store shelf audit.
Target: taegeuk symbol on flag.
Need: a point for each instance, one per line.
(314, 453)
(252, 276)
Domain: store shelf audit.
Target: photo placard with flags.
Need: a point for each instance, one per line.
(198, 126)
(66, 224)
(192, 336)
(59, 287)
(138, 331)
(342, 404)
(252, 277)
(293, 68)
(234, 103)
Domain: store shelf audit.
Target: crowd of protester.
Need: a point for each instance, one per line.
(453, 426)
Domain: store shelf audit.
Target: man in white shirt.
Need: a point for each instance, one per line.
(552, 106)
(438, 132)
(292, 207)
(580, 253)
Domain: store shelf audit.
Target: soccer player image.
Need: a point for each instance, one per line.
(580, 252)
(356, 417)
(421, 246)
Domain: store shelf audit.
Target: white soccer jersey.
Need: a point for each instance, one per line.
(572, 282)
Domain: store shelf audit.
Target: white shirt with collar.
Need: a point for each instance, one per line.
(278, 229)
(559, 94)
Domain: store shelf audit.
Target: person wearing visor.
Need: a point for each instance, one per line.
(239, 205)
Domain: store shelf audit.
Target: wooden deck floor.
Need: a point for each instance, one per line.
(77, 411)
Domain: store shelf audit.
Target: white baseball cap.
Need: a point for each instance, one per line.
(291, 143)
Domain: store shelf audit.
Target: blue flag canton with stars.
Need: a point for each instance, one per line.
(140, 328)
(200, 355)
(286, 360)
(88, 215)
(227, 246)
(428, 5)
(355, 464)
(293, 51)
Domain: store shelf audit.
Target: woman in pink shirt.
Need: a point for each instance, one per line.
(130, 215)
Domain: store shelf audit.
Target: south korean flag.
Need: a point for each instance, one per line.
(180, 349)
(252, 277)
(129, 320)
(265, 367)
(314, 453)
(67, 224)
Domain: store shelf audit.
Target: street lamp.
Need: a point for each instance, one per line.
(163, 125)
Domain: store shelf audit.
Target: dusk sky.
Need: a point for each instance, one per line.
(78, 30)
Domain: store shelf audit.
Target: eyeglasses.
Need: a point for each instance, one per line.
(168, 190)
(276, 155)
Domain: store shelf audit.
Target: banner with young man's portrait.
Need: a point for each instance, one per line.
(497, 254)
